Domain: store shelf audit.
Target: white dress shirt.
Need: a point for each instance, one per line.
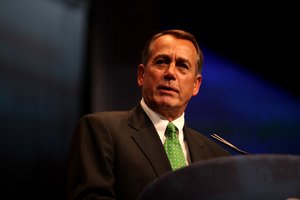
(161, 123)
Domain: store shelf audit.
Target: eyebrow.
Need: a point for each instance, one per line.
(161, 56)
(166, 56)
(183, 60)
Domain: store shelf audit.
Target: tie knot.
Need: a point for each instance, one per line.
(171, 130)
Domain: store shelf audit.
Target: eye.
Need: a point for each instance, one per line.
(160, 61)
(183, 65)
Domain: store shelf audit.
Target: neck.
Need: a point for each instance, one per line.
(166, 112)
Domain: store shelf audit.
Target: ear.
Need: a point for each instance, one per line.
(197, 84)
(141, 73)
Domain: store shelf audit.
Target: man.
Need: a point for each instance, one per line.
(115, 155)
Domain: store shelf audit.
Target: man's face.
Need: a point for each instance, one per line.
(169, 79)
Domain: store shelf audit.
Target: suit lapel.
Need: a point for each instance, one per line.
(196, 147)
(145, 136)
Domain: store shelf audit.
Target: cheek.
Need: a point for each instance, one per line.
(149, 81)
(190, 86)
(152, 76)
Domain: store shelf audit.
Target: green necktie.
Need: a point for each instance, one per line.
(173, 148)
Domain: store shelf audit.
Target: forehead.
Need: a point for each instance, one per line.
(168, 44)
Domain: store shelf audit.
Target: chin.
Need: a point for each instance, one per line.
(167, 104)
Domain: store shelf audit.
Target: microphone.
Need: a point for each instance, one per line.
(215, 136)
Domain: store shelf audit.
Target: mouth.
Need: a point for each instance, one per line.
(167, 88)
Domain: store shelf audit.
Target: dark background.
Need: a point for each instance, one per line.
(60, 59)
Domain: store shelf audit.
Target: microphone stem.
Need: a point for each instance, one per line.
(215, 136)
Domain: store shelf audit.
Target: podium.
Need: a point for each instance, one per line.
(242, 177)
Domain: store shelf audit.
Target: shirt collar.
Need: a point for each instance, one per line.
(159, 121)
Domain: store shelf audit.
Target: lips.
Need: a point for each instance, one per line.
(167, 88)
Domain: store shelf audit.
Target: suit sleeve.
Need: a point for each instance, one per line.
(90, 161)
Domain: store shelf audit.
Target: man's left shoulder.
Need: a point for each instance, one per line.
(192, 132)
(195, 137)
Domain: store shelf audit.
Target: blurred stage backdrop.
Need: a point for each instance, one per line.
(60, 59)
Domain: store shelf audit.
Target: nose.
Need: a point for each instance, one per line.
(170, 72)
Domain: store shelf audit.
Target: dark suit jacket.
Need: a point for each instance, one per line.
(115, 155)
